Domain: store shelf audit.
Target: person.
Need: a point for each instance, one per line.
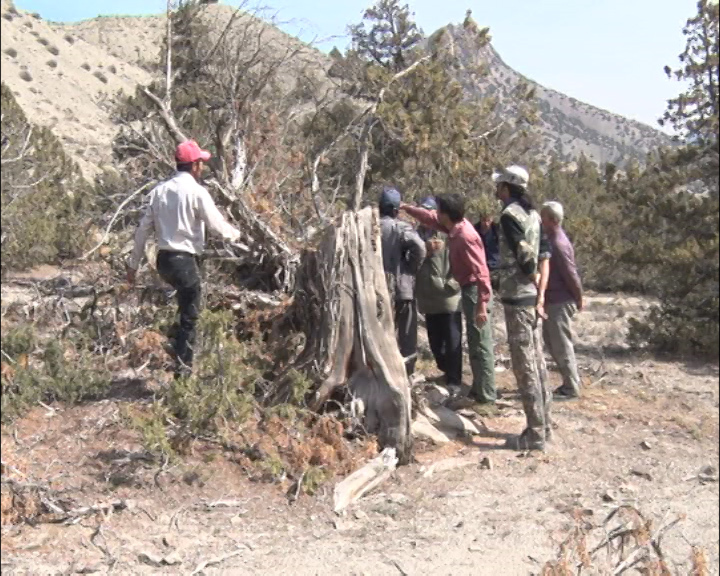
(469, 269)
(403, 252)
(177, 213)
(489, 233)
(521, 273)
(563, 299)
(438, 298)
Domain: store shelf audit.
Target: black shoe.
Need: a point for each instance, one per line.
(564, 393)
(522, 443)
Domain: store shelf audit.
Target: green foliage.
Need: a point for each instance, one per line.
(315, 477)
(694, 113)
(19, 340)
(426, 136)
(675, 203)
(43, 194)
(51, 377)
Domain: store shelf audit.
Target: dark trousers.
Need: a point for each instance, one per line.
(181, 271)
(406, 321)
(445, 335)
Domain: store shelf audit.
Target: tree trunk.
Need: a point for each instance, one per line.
(343, 307)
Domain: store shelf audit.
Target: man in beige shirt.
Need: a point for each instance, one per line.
(178, 212)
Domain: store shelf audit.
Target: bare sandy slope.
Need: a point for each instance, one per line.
(65, 83)
(472, 521)
(67, 76)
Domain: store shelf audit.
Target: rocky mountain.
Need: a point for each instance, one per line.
(567, 126)
(68, 76)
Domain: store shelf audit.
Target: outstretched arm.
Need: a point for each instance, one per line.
(427, 218)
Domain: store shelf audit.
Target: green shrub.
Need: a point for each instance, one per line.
(51, 377)
(45, 201)
(19, 340)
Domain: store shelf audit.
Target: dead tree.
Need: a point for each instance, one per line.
(343, 305)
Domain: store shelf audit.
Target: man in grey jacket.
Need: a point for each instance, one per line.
(403, 252)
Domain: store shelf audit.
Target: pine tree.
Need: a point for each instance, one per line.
(427, 137)
(44, 196)
(674, 202)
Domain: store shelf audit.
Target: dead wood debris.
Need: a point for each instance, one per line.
(35, 502)
(628, 541)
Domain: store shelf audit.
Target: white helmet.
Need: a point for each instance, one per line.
(512, 175)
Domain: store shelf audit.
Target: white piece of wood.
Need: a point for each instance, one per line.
(364, 479)
(447, 418)
(423, 428)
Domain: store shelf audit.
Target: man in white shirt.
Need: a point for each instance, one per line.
(178, 212)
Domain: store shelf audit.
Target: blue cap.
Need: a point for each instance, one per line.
(390, 197)
(429, 203)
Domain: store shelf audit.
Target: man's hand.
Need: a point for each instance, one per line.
(580, 304)
(540, 309)
(130, 275)
(481, 315)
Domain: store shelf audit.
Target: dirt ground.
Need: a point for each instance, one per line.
(644, 433)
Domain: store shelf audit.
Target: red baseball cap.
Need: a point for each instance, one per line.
(189, 152)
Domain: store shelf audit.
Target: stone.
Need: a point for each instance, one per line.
(609, 496)
(641, 473)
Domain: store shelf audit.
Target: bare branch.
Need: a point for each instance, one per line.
(112, 220)
(167, 115)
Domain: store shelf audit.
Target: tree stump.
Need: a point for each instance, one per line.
(343, 306)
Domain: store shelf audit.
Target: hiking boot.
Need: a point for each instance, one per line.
(565, 393)
(523, 443)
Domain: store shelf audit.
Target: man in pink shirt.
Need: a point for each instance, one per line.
(469, 268)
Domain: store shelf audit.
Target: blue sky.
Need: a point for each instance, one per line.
(609, 53)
